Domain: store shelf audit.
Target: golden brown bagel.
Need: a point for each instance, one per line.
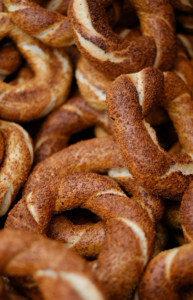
(123, 216)
(16, 157)
(24, 253)
(44, 92)
(130, 98)
(51, 27)
(95, 155)
(167, 274)
(110, 53)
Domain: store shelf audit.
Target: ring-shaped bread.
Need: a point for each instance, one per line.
(16, 158)
(167, 274)
(42, 93)
(130, 98)
(121, 261)
(59, 273)
(114, 55)
(51, 27)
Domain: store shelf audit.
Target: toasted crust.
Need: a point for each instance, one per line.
(24, 253)
(10, 59)
(166, 274)
(51, 27)
(112, 54)
(186, 211)
(100, 195)
(130, 98)
(16, 162)
(57, 129)
(22, 102)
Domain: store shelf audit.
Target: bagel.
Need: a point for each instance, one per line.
(16, 158)
(51, 27)
(110, 53)
(100, 195)
(24, 253)
(130, 98)
(44, 92)
(167, 274)
(96, 155)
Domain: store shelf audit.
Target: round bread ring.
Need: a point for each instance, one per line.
(72, 117)
(93, 84)
(100, 195)
(183, 5)
(16, 163)
(130, 98)
(48, 26)
(113, 55)
(10, 59)
(24, 253)
(87, 239)
(95, 155)
(166, 274)
(24, 102)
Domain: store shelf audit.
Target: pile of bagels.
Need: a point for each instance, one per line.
(96, 149)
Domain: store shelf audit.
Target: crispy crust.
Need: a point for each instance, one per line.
(22, 102)
(166, 274)
(16, 163)
(130, 98)
(10, 59)
(186, 210)
(57, 129)
(50, 27)
(100, 195)
(113, 55)
(24, 253)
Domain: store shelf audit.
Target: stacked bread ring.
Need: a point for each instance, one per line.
(109, 173)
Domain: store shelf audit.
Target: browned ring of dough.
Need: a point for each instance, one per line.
(130, 98)
(167, 273)
(25, 253)
(15, 163)
(123, 217)
(51, 27)
(112, 54)
(43, 92)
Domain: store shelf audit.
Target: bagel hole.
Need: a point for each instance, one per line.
(81, 216)
(166, 135)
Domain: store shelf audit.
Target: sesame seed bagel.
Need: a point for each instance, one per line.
(16, 158)
(42, 93)
(113, 55)
(130, 98)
